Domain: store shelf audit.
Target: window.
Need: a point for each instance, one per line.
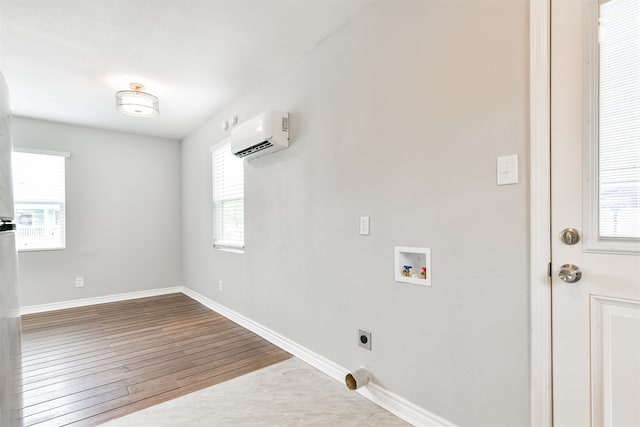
(39, 193)
(612, 127)
(619, 113)
(228, 197)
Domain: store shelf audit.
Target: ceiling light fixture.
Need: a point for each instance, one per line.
(137, 103)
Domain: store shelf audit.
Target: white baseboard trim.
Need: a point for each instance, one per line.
(97, 300)
(393, 403)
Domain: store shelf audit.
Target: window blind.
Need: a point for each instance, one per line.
(619, 124)
(39, 195)
(228, 197)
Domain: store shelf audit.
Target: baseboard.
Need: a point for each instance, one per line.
(97, 300)
(393, 403)
(402, 408)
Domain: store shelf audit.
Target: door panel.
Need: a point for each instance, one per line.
(596, 328)
(615, 354)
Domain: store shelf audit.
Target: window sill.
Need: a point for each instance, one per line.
(40, 249)
(222, 246)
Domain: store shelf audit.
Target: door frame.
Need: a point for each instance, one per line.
(540, 368)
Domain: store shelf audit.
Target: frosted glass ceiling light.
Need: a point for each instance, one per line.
(137, 103)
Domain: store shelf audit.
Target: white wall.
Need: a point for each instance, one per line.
(399, 116)
(122, 212)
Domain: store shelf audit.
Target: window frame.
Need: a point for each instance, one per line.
(64, 155)
(592, 242)
(217, 204)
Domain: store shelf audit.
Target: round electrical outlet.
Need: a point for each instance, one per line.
(364, 339)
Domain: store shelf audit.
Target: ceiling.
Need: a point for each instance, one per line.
(65, 59)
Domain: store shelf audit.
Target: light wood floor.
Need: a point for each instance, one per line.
(84, 366)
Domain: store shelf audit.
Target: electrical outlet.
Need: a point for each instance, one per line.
(364, 339)
(79, 282)
(220, 285)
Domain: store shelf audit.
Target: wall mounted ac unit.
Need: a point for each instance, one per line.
(264, 134)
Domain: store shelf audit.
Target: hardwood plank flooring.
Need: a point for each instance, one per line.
(84, 366)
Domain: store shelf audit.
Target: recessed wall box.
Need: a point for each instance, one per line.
(413, 265)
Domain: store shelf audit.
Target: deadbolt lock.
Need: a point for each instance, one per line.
(570, 236)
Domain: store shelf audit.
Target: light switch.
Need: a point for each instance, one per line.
(364, 225)
(507, 170)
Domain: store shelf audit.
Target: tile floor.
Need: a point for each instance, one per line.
(290, 393)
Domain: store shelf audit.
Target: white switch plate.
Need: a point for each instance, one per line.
(507, 170)
(364, 225)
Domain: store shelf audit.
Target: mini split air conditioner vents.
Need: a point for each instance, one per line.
(264, 134)
(256, 148)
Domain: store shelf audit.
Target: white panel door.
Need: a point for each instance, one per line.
(595, 145)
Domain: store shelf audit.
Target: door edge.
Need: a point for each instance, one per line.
(540, 374)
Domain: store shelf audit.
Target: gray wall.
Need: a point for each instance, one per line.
(122, 212)
(398, 116)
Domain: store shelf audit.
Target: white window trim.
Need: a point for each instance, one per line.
(66, 155)
(222, 245)
(45, 152)
(591, 241)
(228, 246)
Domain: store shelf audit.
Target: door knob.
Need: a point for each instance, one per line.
(570, 273)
